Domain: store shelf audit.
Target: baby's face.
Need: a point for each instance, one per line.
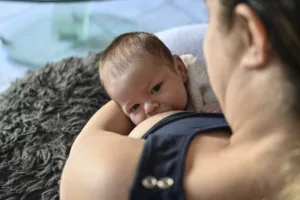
(150, 87)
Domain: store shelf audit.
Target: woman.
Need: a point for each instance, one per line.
(251, 49)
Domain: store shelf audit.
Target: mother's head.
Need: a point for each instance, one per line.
(252, 49)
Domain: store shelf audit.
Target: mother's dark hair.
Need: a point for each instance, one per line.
(281, 21)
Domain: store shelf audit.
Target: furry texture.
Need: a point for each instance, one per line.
(40, 116)
(198, 86)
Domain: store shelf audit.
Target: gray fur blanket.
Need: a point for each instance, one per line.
(40, 116)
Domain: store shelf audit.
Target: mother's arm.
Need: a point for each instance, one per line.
(109, 118)
(101, 149)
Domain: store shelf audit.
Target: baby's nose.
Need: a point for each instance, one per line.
(150, 108)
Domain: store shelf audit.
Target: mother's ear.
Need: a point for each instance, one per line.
(254, 36)
(180, 67)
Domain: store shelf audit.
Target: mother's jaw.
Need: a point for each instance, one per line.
(256, 100)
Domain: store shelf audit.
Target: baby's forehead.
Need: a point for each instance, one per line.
(138, 78)
(117, 74)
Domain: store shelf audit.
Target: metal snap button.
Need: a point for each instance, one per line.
(165, 183)
(149, 182)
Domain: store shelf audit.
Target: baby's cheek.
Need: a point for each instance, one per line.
(134, 120)
(137, 118)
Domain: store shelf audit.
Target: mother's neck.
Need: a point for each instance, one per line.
(257, 103)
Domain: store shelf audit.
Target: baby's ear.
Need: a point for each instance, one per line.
(180, 67)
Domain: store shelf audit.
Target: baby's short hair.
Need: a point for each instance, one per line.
(117, 57)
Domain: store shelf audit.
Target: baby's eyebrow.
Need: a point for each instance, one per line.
(148, 84)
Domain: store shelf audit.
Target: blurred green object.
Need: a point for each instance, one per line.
(71, 29)
(71, 21)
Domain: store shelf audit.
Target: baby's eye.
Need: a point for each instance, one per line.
(156, 88)
(135, 107)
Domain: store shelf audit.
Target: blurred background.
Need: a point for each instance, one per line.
(34, 33)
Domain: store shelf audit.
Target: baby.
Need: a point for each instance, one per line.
(139, 72)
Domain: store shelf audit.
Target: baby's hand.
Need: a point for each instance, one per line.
(212, 108)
